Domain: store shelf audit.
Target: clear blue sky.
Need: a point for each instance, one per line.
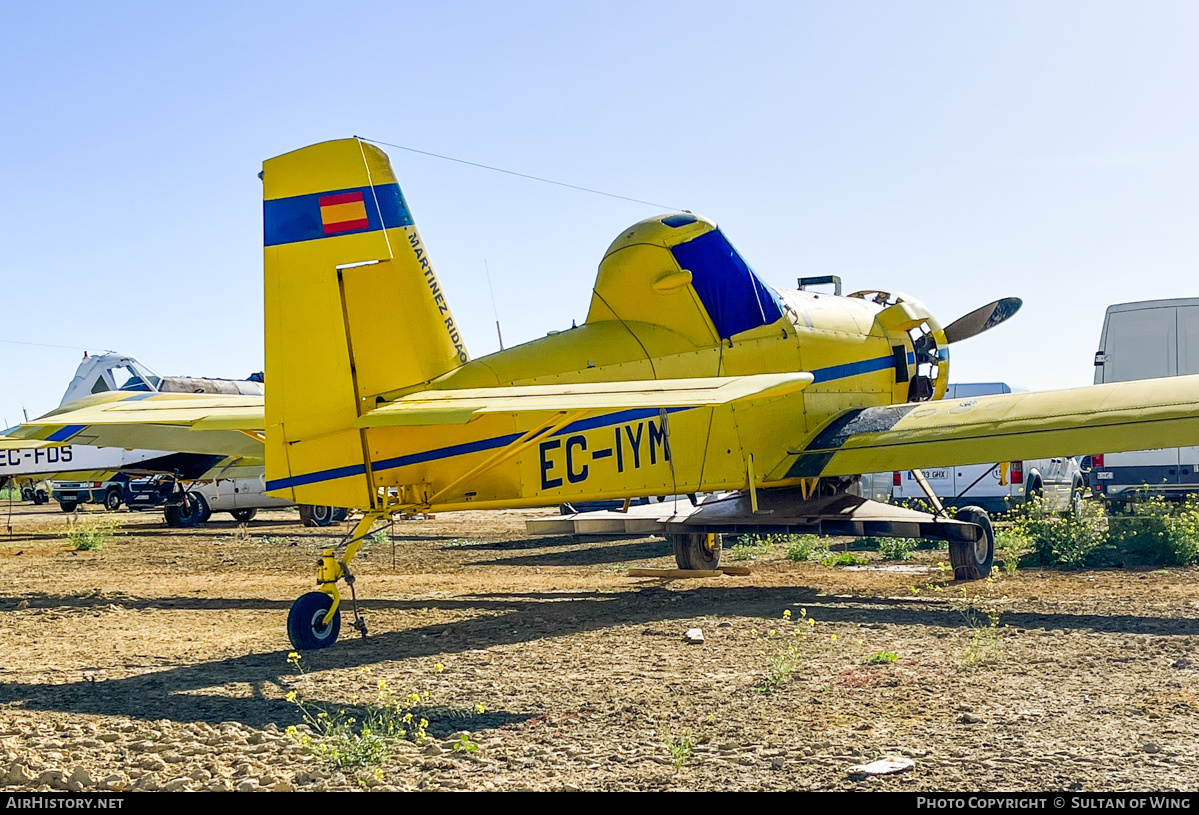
(959, 152)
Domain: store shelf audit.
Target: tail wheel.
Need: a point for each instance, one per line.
(244, 514)
(306, 626)
(973, 561)
(697, 551)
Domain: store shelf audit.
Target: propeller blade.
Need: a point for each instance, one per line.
(979, 320)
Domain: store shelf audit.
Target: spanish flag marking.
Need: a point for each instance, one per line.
(344, 212)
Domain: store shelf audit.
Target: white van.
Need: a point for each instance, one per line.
(1000, 486)
(1150, 339)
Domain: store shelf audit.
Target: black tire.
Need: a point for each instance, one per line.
(1034, 490)
(316, 515)
(243, 514)
(304, 627)
(40, 497)
(973, 561)
(205, 511)
(340, 514)
(68, 506)
(112, 500)
(185, 514)
(697, 551)
(1074, 507)
(27, 494)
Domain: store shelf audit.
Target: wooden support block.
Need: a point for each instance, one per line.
(740, 571)
(674, 574)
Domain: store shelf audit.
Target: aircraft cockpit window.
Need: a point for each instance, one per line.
(100, 386)
(146, 375)
(735, 298)
(127, 379)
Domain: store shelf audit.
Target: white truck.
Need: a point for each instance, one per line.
(1149, 339)
(1000, 486)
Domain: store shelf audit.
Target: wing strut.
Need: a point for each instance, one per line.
(928, 491)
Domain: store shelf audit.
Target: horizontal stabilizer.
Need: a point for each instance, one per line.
(461, 406)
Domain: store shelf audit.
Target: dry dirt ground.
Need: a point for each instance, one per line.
(161, 662)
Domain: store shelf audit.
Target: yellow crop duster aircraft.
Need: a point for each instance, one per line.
(689, 375)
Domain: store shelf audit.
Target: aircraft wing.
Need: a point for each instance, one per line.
(180, 422)
(461, 406)
(1139, 415)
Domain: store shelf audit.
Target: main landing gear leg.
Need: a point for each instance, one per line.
(315, 618)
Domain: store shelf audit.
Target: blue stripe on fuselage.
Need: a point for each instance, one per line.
(852, 369)
(464, 449)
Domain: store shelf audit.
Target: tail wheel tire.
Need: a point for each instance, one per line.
(244, 514)
(112, 501)
(306, 622)
(68, 506)
(973, 561)
(316, 515)
(697, 551)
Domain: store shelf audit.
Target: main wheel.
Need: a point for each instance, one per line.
(697, 551)
(68, 506)
(112, 500)
(316, 515)
(187, 513)
(973, 561)
(244, 514)
(40, 497)
(305, 622)
(27, 494)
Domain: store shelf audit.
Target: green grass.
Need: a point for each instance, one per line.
(882, 658)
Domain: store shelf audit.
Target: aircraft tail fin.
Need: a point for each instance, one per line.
(353, 311)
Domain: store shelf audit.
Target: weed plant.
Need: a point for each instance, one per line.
(357, 735)
(1156, 532)
(90, 532)
(1072, 541)
(782, 651)
(986, 633)
(845, 559)
(882, 658)
(806, 547)
(680, 745)
(894, 548)
(753, 547)
(1159, 533)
